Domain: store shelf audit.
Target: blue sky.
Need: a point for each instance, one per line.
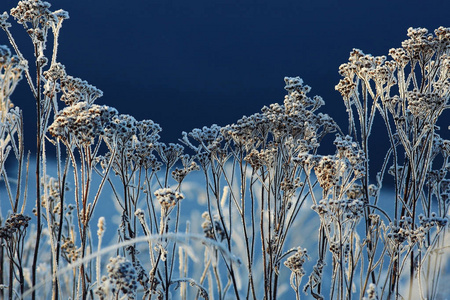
(187, 64)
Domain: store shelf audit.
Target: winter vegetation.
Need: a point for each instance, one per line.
(273, 214)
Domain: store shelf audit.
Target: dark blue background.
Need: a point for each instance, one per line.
(186, 64)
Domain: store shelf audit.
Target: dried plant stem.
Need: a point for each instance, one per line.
(39, 135)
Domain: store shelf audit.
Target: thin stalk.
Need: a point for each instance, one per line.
(38, 171)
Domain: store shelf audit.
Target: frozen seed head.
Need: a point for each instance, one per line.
(121, 132)
(77, 90)
(4, 20)
(328, 171)
(169, 153)
(122, 277)
(258, 159)
(296, 84)
(32, 11)
(346, 87)
(15, 223)
(56, 72)
(208, 138)
(189, 165)
(420, 42)
(135, 140)
(101, 226)
(82, 121)
(168, 198)
(425, 104)
(69, 251)
(139, 213)
(61, 14)
(296, 261)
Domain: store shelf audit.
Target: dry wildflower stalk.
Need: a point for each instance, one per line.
(259, 174)
(419, 73)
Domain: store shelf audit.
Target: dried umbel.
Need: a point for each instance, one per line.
(82, 122)
(296, 118)
(265, 157)
(14, 224)
(133, 143)
(37, 18)
(425, 104)
(209, 139)
(74, 89)
(121, 279)
(70, 251)
(189, 165)
(34, 12)
(168, 198)
(296, 261)
(169, 153)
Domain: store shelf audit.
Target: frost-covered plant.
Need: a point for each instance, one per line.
(266, 181)
(410, 92)
(262, 177)
(121, 279)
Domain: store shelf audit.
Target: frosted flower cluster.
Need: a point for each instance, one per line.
(425, 104)
(32, 11)
(82, 122)
(55, 73)
(76, 90)
(133, 142)
(340, 209)
(189, 165)
(405, 231)
(37, 18)
(145, 141)
(69, 251)
(295, 120)
(335, 171)
(120, 134)
(264, 157)
(349, 151)
(14, 224)
(328, 169)
(209, 138)
(168, 198)
(296, 261)
(433, 220)
(422, 44)
(169, 153)
(122, 278)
